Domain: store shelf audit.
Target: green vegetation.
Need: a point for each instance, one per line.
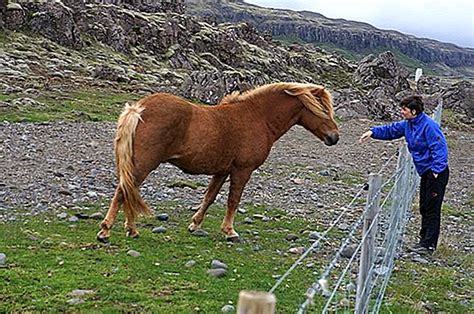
(49, 258)
(82, 105)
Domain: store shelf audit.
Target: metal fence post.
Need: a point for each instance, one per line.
(367, 253)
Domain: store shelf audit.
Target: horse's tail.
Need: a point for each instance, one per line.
(133, 203)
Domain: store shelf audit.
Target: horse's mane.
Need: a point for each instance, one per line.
(314, 97)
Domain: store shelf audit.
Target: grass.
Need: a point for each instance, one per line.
(82, 105)
(49, 258)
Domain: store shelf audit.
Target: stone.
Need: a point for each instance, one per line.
(217, 272)
(133, 253)
(3, 258)
(218, 264)
(159, 230)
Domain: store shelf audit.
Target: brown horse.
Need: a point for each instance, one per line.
(231, 139)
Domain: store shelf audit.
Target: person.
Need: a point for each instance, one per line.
(429, 150)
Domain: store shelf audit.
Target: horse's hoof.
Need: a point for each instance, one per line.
(233, 239)
(102, 239)
(192, 227)
(132, 234)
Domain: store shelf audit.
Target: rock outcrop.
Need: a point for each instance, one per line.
(316, 28)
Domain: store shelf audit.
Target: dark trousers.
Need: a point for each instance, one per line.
(431, 197)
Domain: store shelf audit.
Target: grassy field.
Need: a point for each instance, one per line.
(49, 258)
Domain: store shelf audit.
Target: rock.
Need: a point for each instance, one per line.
(97, 216)
(190, 263)
(217, 272)
(297, 250)
(314, 235)
(62, 215)
(162, 217)
(81, 292)
(248, 220)
(159, 230)
(348, 251)
(133, 253)
(291, 237)
(228, 308)
(218, 264)
(3, 258)
(75, 301)
(200, 233)
(73, 219)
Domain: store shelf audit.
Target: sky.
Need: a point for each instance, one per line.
(447, 21)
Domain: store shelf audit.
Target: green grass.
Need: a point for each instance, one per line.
(82, 105)
(49, 258)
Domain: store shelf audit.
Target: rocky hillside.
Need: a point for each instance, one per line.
(70, 45)
(354, 36)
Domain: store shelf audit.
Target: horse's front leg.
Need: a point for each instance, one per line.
(108, 222)
(238, 180)
(214, 187)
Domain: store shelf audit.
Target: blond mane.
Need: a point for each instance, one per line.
(314, 97)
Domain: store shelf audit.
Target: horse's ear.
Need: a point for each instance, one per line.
(318, 91)
(293, 92)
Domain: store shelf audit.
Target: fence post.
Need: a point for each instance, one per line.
(366, 258)
(256, 302)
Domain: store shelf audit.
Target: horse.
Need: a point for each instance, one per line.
(231, 139)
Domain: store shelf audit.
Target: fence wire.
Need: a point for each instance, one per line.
(389, 222)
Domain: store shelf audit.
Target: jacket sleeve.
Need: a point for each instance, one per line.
(438, 148)
(390, 131)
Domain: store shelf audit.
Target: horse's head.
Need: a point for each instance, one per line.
(318, 113)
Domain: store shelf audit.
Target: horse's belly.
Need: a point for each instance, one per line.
(195, 166)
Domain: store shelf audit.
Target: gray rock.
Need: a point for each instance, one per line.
(217, 272)
(190, 263)
(97, 216)
(81, 292)
(62, 215)
(291, 237)
(218, 264)
(159, 230)
(75, 301)
(200, 233)
(133, 253)
(349, 250)
(73, 219)
(162, 217)
(248, 220)
(228, 308)
(3, 258)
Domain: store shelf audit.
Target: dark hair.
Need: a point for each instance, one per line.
(413, 103)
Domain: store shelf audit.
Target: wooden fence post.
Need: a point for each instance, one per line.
(366, 258)
(256, 302)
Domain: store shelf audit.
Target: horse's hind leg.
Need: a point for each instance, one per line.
(238, 180)
(214, 186)
(144, 164)
(107, 223)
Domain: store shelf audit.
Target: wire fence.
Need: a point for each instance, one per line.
(365, 258)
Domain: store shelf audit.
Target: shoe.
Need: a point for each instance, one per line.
(421, 250)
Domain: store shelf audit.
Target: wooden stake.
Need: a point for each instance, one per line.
(256, 302)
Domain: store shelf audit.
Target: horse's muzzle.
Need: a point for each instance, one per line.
(331, 139)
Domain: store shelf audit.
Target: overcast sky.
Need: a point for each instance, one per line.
(448, 21)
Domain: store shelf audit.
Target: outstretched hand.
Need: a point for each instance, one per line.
(365, 136)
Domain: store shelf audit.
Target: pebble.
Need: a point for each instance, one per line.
(162, 217)
(218, 264)
(200, 233)
(228, 308)
(97, 216)
(159, 230)
(133, 253)
(3, 258)
(190, 263)
(62, 215)
(75, 301)
(217, 272)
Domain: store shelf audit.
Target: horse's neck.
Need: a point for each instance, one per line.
(281, 114)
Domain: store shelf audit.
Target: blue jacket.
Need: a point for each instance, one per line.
(425, 141)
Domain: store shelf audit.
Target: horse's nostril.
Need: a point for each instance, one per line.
(331, 139)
